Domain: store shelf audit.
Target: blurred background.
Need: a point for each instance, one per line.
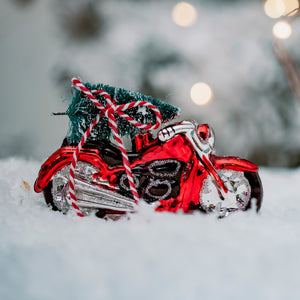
(229, 63)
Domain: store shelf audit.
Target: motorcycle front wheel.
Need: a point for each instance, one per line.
(246, 188)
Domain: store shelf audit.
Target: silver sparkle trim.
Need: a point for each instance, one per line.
(156, 183)
(123, 185)
(162, 162)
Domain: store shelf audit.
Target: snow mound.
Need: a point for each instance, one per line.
(47, 255)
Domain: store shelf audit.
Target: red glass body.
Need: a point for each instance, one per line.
(179, 148)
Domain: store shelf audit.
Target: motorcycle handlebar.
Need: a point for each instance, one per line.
(190, 130)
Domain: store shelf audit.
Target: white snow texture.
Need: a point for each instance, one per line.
(47, 255)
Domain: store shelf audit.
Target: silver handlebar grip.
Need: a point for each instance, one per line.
(169, 132)
(166, 134)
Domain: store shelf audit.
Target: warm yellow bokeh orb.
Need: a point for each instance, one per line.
(274, 8)
(282, 30)
(184, 14)
(278, 8)
(201, 93)
(291, 7)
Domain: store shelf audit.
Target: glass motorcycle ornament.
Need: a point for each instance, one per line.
(172, 168)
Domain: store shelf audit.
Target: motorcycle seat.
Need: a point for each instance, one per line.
(108, 152)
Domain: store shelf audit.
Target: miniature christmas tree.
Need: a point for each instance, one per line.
(82, 112)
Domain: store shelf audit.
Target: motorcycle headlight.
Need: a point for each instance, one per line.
(206, 135)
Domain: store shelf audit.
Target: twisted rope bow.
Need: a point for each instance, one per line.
(109, 111)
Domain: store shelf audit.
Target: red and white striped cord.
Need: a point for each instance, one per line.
(109, 111)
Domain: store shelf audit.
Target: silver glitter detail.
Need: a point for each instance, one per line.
(162, 162)
(158, 182)
(124, 186)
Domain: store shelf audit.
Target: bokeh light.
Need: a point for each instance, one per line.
(282, 30)
(291, 7)
(201, 93)
(184, 14)
(278, 8)
(274, 8)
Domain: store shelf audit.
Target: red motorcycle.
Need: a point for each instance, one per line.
(175, 171)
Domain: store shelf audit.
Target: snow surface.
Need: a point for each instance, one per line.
(47, 255)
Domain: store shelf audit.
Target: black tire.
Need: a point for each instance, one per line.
(48, 196)
(256, 189)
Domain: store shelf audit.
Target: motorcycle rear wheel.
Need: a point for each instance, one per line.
(56, 191)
